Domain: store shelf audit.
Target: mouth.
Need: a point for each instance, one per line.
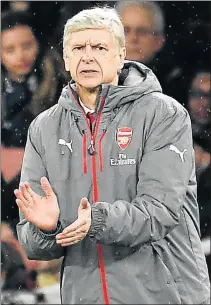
(88, 71)
(23, 65)
(203, 113)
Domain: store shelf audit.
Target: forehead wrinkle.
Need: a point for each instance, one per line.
(88, 42)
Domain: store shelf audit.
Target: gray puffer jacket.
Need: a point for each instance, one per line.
(137, 170)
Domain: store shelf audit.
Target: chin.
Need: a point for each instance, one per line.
(90, 85)
(23, 72)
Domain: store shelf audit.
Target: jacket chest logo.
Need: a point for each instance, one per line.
(122, 159)
(124, 136)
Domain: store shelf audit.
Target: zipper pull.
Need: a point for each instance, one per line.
(91, 148)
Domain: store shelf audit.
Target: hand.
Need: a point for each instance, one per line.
(43, 212)
(79, 228)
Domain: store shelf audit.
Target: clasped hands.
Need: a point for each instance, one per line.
(43, 212)
(78, 230)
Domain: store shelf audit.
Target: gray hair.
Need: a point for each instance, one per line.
(96, 18)
(151, 7)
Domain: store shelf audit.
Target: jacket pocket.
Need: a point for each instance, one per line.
(197, 250)
(160, 281)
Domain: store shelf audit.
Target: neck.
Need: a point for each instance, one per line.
(88, 96)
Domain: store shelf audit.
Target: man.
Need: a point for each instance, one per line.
(144, 29)
(118, 192)
(199, 107)
(146, 34)
(144, 25)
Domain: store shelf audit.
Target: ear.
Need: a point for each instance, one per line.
(66, 62)
(159, 42)
(122, 57)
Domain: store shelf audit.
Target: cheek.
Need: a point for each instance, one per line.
(73, 69)
(109, 71)
(147, 44)
(194, 105)
(33, 54)
(8, 61)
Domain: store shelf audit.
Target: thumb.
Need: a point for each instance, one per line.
(84, 203)
(46, 187)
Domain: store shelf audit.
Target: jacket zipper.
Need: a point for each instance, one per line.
(84, 154)
(100, 151)
(95, 199)
(92, 152)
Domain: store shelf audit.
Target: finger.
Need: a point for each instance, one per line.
(70, 240)
(81, 230)
(19, 195)
(29, 189)
(22, 207)
(74, 235)
(60, 235)
(69, 244)
(46, 187)
(26, 194)
(74, 226)
(84, 203)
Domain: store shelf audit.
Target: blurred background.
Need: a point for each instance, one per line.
(172, 38)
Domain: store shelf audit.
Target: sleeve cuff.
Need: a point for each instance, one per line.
(98, 221)
(51, 234)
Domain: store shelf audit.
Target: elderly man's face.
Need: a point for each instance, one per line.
(93, 58)
(199, 104)
(142, 43)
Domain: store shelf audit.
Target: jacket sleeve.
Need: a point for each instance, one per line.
(162, 183)
(36, 244)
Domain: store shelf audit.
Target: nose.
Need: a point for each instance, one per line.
(132, 35)
(88, 55)
(205, 103)
(19, 55)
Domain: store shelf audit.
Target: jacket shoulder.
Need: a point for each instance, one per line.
(158, 108)
(46, 118)
(159, 102)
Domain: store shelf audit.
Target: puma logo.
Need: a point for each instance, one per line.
(63, 142)
(177, 151)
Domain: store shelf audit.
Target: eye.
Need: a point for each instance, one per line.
(127, 29)
(77, 48)
(27, 46)
(100, 48)
(9, 50)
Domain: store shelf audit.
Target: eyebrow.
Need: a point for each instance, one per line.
(75, 43)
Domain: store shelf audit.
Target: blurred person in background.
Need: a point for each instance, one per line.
(202, 157)
(32, 78)
(13, 260)
(204, 201)
(199, 106)
(144, 25)
(171, 49)
(108, 179)
(19, 5)
(203, 174)
(13, 270)
(202, 160)
(144, 29)
(8, 237)
(38, 273)
(45, 24)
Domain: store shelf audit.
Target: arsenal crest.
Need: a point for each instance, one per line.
(124, 136)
